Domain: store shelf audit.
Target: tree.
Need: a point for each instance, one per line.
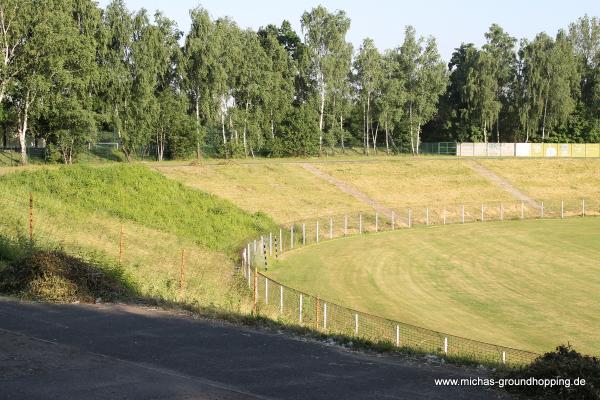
(324, 34)
(392, 98)
(425, 81)
(369, 74)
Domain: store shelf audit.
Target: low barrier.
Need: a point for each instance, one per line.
(293, 306)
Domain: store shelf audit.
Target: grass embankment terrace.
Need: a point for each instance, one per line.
(524, 284)
(82, 209)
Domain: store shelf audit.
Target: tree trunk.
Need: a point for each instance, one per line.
(544, 120)
(412, 142)
(375, 139)
(245, 130)
(368, 120)
(22, 130)
(418, 137)
(387, 143)
(321, 118)
(197, 124)
(342, 133)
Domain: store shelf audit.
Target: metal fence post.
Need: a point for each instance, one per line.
(356, 324)
(324, 315)
(303, 234)
(266, 290)
(503, 357)
(397, 335)
(280, 299)
(300, 310)
(446, 345)
(562, 209)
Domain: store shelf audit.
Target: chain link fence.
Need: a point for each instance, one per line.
(282, 302)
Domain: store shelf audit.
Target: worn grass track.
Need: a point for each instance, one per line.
(525, 284)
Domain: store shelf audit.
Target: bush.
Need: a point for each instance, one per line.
(52, 275)
(563, 363)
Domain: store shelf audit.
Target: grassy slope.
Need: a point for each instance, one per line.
(83, 208)
(529, 284)
(552, 179)
(286, 192)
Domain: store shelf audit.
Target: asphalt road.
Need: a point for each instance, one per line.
(126, 352)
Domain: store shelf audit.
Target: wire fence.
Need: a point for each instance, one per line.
(293, 306)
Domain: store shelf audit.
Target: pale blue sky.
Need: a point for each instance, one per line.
(451, 22)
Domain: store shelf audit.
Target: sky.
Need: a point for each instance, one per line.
(450, 22)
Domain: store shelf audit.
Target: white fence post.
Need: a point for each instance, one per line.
(376, 222)
(345, 225)
(359, 223)
(255, 246)
(292, 237)
(317, 231)
(356, 324)
(249, 258)
(324, 315)
(427, 216)
(562, 209)
(331, 228)
(393, 221)
(522, 210)
(303, 234)
(446, 345)
(462, 214)
(280, 299)
(300, 310)
(409, 218)
(503, 357)
(397, 335)
(542, 210)
(266, 290)
(482, 212)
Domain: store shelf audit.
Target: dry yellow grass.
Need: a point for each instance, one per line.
(284, 191)
(552, 179)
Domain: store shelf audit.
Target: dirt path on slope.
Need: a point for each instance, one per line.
(348, 189)
(501, 182)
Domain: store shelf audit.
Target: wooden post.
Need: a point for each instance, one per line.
(276, 249)
(31, 217)
(182, 276)
(264, 244)
(255, 294)
(121, 234)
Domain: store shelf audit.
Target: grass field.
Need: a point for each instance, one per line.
(525, 284)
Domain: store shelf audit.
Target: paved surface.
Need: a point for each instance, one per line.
(125, 352)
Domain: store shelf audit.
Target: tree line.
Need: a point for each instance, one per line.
(72, 72)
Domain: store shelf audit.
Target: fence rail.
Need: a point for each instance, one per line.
(283, 302)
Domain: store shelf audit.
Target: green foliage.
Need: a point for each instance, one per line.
(564, 363)
(138, 194)
(298, 135)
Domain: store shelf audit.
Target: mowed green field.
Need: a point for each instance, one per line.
(527, 284)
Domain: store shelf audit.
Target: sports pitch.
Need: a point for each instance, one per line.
(527, 284)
